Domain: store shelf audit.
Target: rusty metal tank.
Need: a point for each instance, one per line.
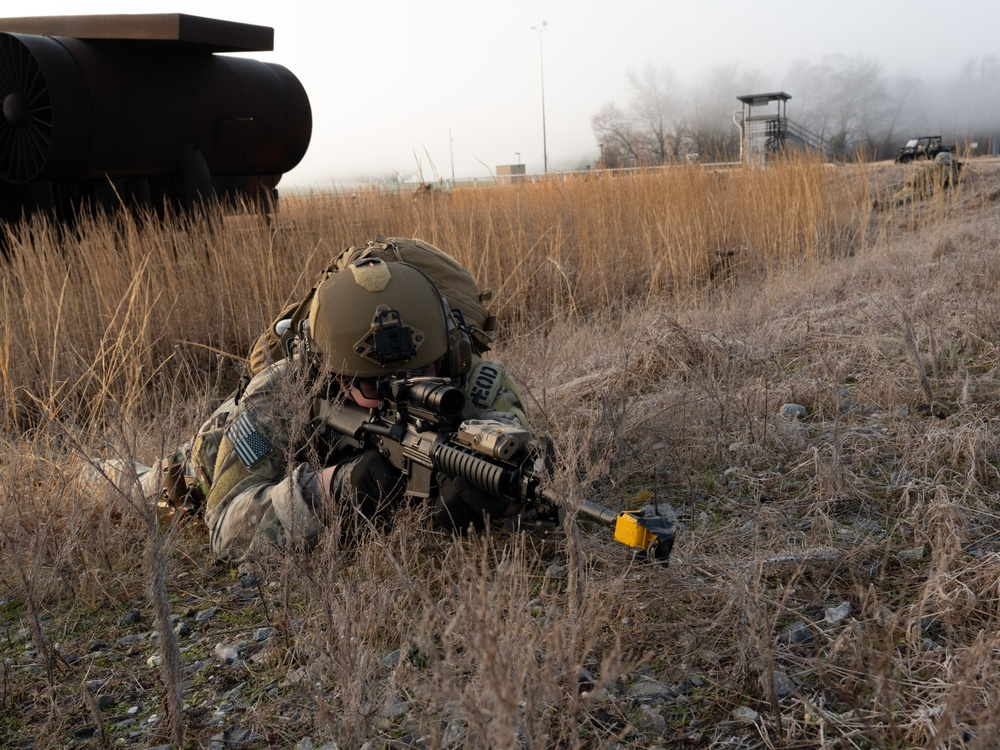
(144, 103)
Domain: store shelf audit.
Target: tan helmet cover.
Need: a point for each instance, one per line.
(375, 318)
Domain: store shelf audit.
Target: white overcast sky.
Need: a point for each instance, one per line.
(388, 79)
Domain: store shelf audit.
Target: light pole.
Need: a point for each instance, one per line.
(518, 155)
(541, 59)
(451, 147)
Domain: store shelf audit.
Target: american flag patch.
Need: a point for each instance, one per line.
(247, 441)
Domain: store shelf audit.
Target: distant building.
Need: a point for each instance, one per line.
(511, 174)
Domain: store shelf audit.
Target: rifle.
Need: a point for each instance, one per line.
(418, 428)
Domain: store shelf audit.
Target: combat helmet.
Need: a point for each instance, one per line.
(375, 318)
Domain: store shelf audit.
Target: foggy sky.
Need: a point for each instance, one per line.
(388, 80)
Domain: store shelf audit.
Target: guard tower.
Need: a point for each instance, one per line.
(765, 128)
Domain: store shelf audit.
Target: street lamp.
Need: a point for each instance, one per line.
(451, 146)
(541, 59)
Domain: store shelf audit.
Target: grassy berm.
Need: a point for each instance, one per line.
(799, 363)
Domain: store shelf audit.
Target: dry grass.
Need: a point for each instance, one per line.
(658, 361)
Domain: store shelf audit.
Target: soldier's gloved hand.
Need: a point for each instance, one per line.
(461, 506)
(370, 485)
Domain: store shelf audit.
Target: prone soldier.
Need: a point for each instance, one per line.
(282, 476)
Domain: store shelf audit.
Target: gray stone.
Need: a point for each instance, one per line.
(649, 720)
(240, 736)
(869, 525)
(745, 715)
(555, 570)
(392, 659)
(104, 702)
(793, 411)
(306, 743)
(650, 691)
(911, 555)
(796, 633)
(597, 694)
(454, 734)
(297, 676)
(130, 618)
(884, 616)
(836, 615)
(783, 684)
(205, 615)
(194, 667)
(395, 709)
(263, 634)
(184, 628)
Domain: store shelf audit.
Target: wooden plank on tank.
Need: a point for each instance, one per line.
(212, 34)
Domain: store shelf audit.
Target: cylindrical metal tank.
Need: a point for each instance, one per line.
(78, 109)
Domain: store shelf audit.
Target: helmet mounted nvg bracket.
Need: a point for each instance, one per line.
(389, 340)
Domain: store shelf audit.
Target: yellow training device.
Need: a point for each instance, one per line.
(631, 532)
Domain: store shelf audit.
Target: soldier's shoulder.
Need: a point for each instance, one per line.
(276, 376)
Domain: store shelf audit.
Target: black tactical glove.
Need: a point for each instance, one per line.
(460, 505)
(371, 485)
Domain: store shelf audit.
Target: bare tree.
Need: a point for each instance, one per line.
(973, 103)
(712, 132)
(656, 109)
(843, 99)
(620, 139)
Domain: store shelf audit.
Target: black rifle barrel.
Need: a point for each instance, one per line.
(587, 509)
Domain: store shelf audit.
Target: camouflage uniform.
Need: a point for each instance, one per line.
(265, 487)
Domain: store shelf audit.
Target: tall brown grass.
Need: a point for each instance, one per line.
(659, 320)
(126, 310)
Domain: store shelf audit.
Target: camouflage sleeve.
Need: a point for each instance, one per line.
(492, 392)
(261, 497)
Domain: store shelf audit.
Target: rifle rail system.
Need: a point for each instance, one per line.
(420, 430)
(140, 110)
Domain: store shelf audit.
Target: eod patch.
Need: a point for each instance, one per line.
(484, 382)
